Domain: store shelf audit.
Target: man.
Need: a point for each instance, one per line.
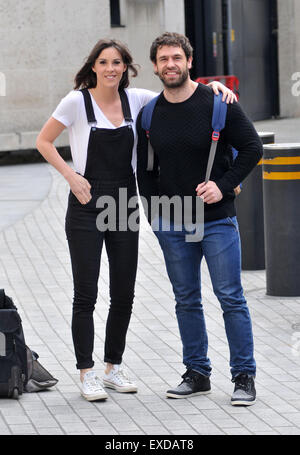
(180, 135)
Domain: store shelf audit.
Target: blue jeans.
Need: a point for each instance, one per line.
(221, 249)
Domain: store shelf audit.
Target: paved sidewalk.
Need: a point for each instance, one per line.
(35, 270)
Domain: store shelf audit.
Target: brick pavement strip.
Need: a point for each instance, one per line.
(35, 270)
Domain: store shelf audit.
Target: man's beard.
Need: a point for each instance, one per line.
(175, 84)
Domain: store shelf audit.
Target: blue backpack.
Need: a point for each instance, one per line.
(218, 123)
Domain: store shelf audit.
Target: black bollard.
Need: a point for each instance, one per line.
(281, 189)
(250, 215)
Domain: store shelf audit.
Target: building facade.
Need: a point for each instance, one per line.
(44, 43)
(289, 57)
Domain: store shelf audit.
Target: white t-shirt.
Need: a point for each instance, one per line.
(71, 112)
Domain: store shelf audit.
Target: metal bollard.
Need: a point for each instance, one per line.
(281, 189)
(250, 215)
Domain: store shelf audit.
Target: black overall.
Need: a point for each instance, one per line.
(108, 168)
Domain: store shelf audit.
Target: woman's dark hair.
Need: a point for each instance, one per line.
(171, 39)
(86, 78)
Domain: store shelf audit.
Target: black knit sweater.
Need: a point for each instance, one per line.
(180, 134)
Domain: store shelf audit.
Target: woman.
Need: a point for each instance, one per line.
(100, 116)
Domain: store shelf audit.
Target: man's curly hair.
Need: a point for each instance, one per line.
(171, 39)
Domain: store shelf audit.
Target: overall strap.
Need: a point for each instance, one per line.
(125, 107)
(88, 106)
(90, 110)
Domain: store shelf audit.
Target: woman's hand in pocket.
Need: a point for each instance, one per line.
(80, 187)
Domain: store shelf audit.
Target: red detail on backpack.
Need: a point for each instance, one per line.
(215, 136)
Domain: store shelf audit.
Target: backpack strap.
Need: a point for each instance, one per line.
(218, 123)
(146, 123)
(219, 113)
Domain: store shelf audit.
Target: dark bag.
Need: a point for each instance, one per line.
(13, 356)
(20, 370)
(38, 377)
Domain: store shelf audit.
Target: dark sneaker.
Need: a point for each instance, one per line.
(244, 391)
(193, 383)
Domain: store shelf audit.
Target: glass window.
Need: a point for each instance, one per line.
(115, 17)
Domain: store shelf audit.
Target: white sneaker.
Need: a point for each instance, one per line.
(118, 380)
(91, 387)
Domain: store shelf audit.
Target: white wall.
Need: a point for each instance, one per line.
(44, 43)
(144, 20)
(289, 57)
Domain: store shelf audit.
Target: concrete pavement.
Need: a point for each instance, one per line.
(35, 271)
